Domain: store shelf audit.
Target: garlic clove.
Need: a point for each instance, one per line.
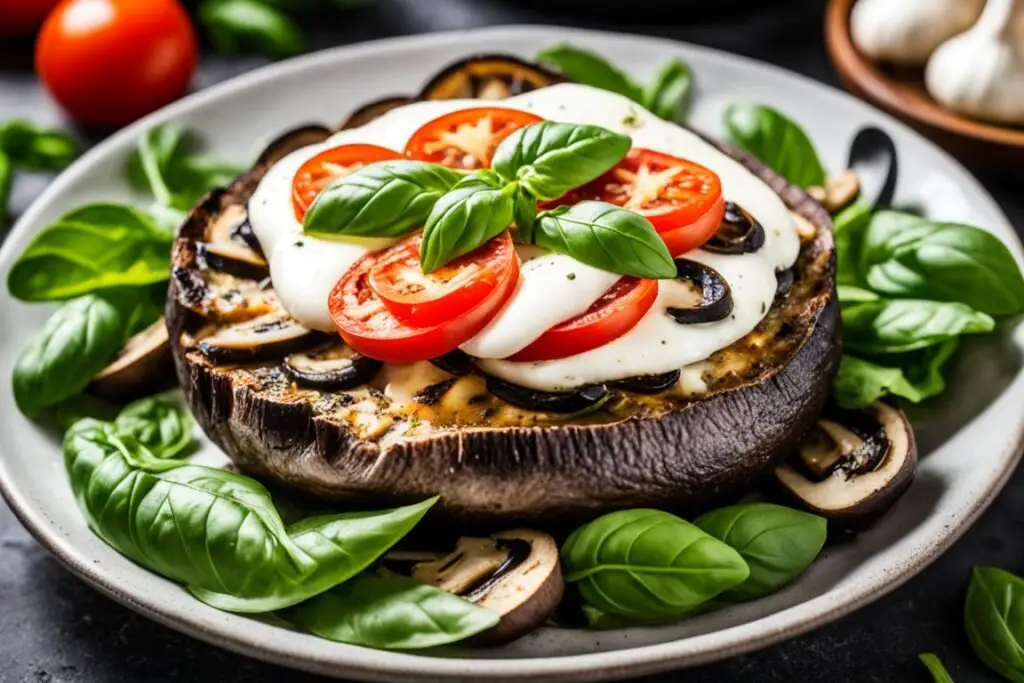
(906, 32)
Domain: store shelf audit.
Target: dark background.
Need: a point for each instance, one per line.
(55, 629)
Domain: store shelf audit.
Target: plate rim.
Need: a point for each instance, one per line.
(370, 664)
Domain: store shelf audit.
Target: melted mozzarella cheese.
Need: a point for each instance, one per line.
(304, 275)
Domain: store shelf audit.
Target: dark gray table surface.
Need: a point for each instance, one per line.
(55, 629)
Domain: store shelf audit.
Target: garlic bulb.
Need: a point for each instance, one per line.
(981, 71)
(907, 31)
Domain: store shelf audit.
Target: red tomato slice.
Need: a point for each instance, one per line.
(329, 165)
(466, 138)
(681, 199)
(422, 299)
(615, 313)
(368, 326)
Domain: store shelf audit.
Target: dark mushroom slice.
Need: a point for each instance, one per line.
(268, 336)
(332, 367)
(244, 232)
(715, 294)
(738, 233)
(143, 366)
(368, 112)
(458, 363)
(289, 141)
(514, 573)
(219, 296)
(225, 250)
(547, 401)
(852, 466)
(432, 393)
(783, 282)
(488, 77)
(648, 384)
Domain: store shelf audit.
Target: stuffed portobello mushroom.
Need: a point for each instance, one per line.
(664, 389)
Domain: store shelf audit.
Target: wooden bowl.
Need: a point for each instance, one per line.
(901, 92)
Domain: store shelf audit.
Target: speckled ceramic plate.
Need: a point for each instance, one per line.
(970, 441)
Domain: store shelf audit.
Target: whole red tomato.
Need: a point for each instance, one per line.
(108, 62)
(19, 17)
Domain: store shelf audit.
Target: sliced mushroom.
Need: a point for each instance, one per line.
(852, 466)
(458, 363)
(716, 296)
(368, 112)
(432, 393)
(514, 573)
(547, 401)
(228, 247)
(267, 336)
(142, 366)
(333, 367)
(783, 282)
(223, 297)
(294, 139)
(648, 384)
(738, 233)
(491, 77)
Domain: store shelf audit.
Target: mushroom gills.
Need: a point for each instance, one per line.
(266, 336)
(332, 367)
(547, 401)
(738, 233)
(852, 443)
(488, 77)
(716, 296)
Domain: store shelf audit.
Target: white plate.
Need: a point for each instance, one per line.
(970, 443)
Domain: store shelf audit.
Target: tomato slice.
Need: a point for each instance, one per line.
(423, 299)
(466, 138)
(331, 164)
(613, 315)
(681, 199)
(368, 325)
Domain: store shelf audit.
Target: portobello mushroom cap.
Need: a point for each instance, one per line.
(493, 462)
(852, 466)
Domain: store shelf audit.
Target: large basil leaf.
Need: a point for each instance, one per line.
(849, 226)
(385, 199)
(392, 614)
(236, 26)
(75, 343)
(908, 324)
(668, 95)
(859, 383)
(649, 565)
(909, 256)
(477, 209)
(35, 148)
(607, 237)
(923, 368)
(776, 542)
(94, 247)
(588, 68)
(935, 667)
(994, 619)
(776, 140)
(550, 158)
(163, 427)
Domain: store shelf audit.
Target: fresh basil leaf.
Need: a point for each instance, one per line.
(776, 542)
(859, 383)
(392, 614)
(163, 427)
(479, 207)
(607, 237)
(668, 95)
(907, 324)
(94, 247)
(776, 140)
(6, 182)
(908, 256)
(850, 294)
(923, 368)
(849, 227)
(550, 158)
(385, 199)
(935, 667)
(649, 565)
(236, 26)
(35, 148)
(524, 213)
(75, 343)
(588, 68)
(994, 620)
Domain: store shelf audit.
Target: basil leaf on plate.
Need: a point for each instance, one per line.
(850, 294)
(935, 667)
(776, 140)
(236, 26)
(589, 68)
(35, 148)
(994, 620)
(163, 427)
(908, 256)
(849, 227)
(859, 383)
(907, 324)
(923, 368)
(479, 207)
(392, 614)
(94, 247)
(649, 565)
(776, 542)
(6, 182)
(607, 237)
(668, 95)
(384, 199)
(550, 158)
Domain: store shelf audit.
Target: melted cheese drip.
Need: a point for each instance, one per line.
(304, 269)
